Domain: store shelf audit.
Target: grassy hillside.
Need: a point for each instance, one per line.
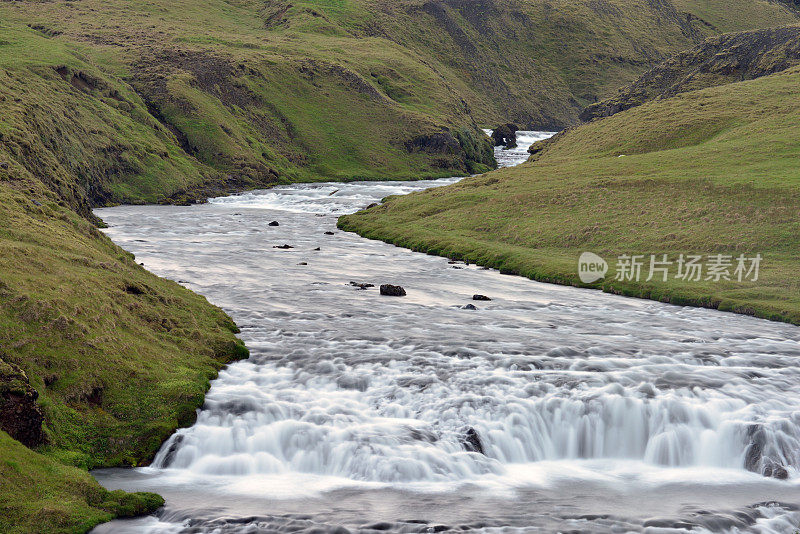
(100, 361)
(175, 100)
(707, 172)
(719, 60)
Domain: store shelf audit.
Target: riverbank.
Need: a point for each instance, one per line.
(704, 173)
(100, 361)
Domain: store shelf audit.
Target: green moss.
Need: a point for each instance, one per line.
(39, 494)
(158, 102)
(120, 358)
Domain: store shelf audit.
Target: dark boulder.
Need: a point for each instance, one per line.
(20, 415)
(392, 291)
(330, 233)
(480, 297)
(469, 307)
(505, 135)
(283, 247)
(773, 469)
(274, 223)
(472, 441)
(172, 451)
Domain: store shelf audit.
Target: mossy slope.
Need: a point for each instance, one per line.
(712, 171)
(42, 495)
(717, 61)
(174, 100)
(118, 357)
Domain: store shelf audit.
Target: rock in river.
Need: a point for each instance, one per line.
(472, 442)
(360, 285)
(505, 135)
(392, 291)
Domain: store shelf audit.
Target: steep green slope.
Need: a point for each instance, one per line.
(706, 172)
(175, 100)
(719, 60)
(100, 361)
(533, 62)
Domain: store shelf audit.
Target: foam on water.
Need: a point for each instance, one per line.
(548, 408)
(514, 156)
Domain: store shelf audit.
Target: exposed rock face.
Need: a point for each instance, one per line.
(758, 460)
(437, 143)
(472, 442)
(464, 148)
(480, 297)
(20, 415)
(392, 291)
(720, 60)
(505, 135)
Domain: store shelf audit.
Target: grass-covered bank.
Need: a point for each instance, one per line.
(42, 495)
(100, 360)
(707, 172)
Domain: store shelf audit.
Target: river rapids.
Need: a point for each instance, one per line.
(546, 409)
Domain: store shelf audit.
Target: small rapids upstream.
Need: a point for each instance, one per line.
(546, 409)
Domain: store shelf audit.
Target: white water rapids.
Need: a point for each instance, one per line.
(546, 409)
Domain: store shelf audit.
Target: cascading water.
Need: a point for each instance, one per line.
(546, 409)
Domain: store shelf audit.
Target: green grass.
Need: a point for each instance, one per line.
(198, 98)
(107, 101)
(707, 172)
(42, 495)
(119, 357)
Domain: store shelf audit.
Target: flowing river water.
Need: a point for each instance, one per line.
(546, 409)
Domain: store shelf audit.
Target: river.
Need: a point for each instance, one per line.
(545, 409)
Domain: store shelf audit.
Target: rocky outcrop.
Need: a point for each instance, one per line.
(472, 441)
(468, 149)
(20, 415)
(505, 135)
(759, 458)
(720, 60)
(436, 143)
